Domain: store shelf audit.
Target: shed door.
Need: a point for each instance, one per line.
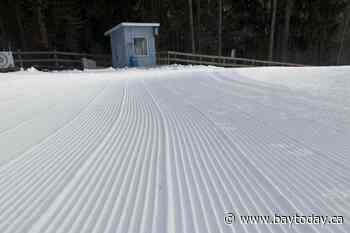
(116, 55)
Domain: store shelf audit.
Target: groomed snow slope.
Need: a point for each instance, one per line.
(173, 149)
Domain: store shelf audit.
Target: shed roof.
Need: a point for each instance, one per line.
(128, 24)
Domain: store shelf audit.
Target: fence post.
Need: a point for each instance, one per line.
(168, 57)
(56, 59)
(20, 58)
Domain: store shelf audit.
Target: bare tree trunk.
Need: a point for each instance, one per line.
(285, 42)
(20, 25)
(198, 26)
(319, 50)
(41, 24)
(342, 40)
(2, 27)
(208, 7)
(3, 38)
(272, 30)
(220, 29)
(193, 45)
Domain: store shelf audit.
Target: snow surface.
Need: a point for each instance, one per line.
(173, 149)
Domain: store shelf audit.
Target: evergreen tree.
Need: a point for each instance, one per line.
(304, 31)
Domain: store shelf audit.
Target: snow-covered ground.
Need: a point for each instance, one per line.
(174, 149)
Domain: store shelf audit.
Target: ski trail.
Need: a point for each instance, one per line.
(171, 149)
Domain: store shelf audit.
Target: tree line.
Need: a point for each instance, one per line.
(302, 31)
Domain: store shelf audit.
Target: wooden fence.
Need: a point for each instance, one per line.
(171, 57)
(56, 60)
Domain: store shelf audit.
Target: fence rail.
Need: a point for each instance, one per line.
(171, 57)
(57, 59)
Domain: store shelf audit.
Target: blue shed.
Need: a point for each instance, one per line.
(133, 44)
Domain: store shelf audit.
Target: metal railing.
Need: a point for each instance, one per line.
(57, 59)
(171, 57)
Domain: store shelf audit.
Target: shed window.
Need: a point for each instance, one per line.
(140, 46)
